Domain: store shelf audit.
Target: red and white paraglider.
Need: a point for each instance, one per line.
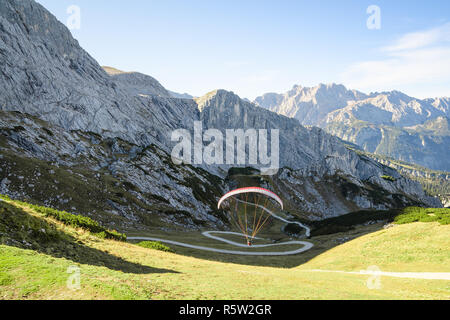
(248, 209)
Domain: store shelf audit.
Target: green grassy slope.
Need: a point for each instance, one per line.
(36, 252)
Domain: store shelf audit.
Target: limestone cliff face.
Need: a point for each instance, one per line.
(46, 73)
(59, 107)
(77, 138)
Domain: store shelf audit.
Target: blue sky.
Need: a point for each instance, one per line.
(255, 46)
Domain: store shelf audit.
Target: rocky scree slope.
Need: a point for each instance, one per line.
(76, 138)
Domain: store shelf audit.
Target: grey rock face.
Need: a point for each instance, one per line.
(130, 181)
(47, 74)
(442, 104)
(64, 118)
(270, 101)
(44, 73)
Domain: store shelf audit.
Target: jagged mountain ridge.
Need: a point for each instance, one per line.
(388, 108)
(442, 104)
(324, 103)
(309, 105)
(63, 114)
(381, 123)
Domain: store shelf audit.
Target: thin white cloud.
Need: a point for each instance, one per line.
(421, 39)
(415, 59)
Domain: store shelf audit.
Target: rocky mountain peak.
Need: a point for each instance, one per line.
(219, 98)
(310, 105)
(137, 83)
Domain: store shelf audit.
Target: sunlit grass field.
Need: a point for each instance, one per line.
(112, 269)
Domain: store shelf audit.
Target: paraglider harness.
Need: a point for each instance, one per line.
(249, 242)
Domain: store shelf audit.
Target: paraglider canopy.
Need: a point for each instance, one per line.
(251, 189)
(250, 209)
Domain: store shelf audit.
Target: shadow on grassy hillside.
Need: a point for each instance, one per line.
(326, 235)
(20, 229)
(321, 243)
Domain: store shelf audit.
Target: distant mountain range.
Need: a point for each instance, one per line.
(387, 123)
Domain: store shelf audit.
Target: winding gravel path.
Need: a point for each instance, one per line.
(410, 275)
(304, 244)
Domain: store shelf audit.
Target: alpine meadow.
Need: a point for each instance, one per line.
(113, 187)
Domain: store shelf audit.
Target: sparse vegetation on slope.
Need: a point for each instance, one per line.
(435, 183)
(399, 216)
(416, 214)
(76, 221)
(117, 270)
(388, 178)
(154, 245)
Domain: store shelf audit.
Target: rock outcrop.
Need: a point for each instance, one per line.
(77, 138)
